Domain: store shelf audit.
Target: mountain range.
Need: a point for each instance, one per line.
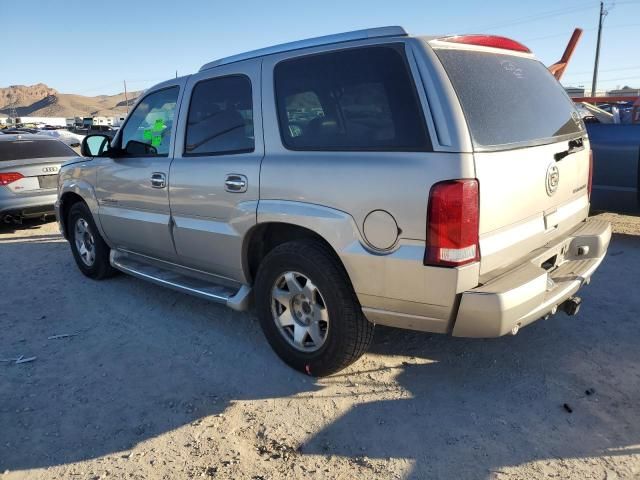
(41, 100)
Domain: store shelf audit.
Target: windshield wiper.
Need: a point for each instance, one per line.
(574, 146)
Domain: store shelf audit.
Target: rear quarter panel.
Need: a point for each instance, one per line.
(357, 183)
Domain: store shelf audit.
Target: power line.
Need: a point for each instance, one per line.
(636, 67)
(567, 10)
(609, 80)
(564, 34)
(536, 17)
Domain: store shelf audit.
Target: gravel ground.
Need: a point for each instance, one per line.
(156, 384)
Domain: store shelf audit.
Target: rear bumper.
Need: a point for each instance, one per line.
(529, 292)
(28, 207)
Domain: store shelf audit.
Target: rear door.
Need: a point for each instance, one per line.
(530, 149)
(214, 177)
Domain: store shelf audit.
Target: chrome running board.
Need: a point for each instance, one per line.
(237, 298)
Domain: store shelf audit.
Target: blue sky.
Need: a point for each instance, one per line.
(89, 48)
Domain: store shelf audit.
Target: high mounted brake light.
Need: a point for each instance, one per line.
(492, 41)
(453, 217)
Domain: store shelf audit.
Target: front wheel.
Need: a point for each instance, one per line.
(90, 251)
(308, 309)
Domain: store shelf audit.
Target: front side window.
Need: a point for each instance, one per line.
(355, 99)
(148, 129)
(220, 117)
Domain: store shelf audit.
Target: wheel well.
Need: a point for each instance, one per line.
(265, 237)
(67, 201)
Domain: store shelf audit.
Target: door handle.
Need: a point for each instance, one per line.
(158, 180)
(235, 183)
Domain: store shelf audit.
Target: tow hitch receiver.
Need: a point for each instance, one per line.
(571, 306)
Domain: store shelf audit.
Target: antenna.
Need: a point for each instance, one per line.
(126, 99)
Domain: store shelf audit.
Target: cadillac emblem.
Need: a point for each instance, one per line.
(553, 179)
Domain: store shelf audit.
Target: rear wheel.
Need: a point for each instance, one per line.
(90, 251)
(308, 309)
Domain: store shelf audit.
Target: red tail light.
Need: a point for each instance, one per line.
(590, 182)
(452, 223)
(493, 41)
(9, 177)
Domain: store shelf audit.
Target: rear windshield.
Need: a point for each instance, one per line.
(27, 148)
(509, 100)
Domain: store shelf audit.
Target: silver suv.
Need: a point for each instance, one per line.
(372, 177)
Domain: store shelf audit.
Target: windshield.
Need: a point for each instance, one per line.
(509, 100)
(28, 149)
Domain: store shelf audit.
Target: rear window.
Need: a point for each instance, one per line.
(354, 99)
(509, 100)
(27, 149)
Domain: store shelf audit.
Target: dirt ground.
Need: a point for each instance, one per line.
(155, 384)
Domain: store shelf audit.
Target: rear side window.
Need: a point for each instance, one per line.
(220, 117)
(509, 100)
(28, 148)
(355, 99)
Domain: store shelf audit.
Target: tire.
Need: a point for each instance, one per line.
(93, 262)
(345, 334)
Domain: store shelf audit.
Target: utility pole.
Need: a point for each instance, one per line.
(603, 13)
(126, 99)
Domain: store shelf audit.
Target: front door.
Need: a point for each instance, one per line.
(132, 183)
(214, 187)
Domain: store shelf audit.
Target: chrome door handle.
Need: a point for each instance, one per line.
(158, 180)
(235, 183)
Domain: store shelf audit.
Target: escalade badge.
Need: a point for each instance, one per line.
(553, 179)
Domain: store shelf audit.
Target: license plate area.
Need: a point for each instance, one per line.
(48, 181)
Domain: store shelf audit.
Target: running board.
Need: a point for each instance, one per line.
(235, 298)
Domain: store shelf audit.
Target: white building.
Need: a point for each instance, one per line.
(53, 121)
(624, 92)
(574, 92)
(74, 122)
(109, 121)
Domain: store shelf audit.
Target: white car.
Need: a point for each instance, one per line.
(65, 136)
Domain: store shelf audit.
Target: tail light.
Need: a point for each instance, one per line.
(9, 177)
(590, 182)
(493, 41)
(452, 223)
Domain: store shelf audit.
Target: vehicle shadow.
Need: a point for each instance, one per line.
(471, 407)
(145, 361)
(141, 361)
(27, 224)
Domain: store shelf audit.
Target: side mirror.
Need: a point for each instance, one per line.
(95, 145)
(136, 148)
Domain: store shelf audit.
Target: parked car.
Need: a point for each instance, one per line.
(29, 167)
(616, 158)
(65, 136)
(17, 130)
(372, 177)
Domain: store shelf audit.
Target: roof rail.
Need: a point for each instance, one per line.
(311, 42)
